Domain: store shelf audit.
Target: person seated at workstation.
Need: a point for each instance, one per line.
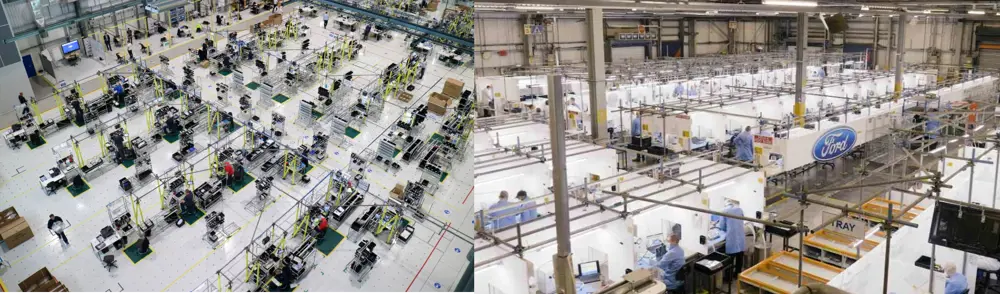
(671, 264)
(956, 282)
(160, 28)
(320, 223)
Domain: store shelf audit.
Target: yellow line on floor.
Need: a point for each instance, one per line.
(259, 214)
(71, 258)
(87, 220)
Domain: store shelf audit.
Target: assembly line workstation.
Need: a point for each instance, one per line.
(647, 228)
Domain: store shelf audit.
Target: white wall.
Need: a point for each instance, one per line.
(13, 80)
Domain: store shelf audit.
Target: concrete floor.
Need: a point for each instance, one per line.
(432, 261)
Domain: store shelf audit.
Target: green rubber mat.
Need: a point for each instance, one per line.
(308, 168)
(247, 179)
(444, 176)
(76, 191)
(436, 137)
(329, 242)
(133, 253)
(232, 128)
(351, 132)
(128, 163)
(280, 98)
(394, 154)
(170, 138)
(79, 123)
(253, 85)
(174, 95)
(192, 218)
(33, 146)
(225, 72)
(317, 114)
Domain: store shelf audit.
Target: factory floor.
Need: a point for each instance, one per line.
(432, 260)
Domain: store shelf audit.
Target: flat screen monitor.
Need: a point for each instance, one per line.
(71, 47)
(589, 271)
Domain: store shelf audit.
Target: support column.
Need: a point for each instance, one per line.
(731, 30)
(681, 35)
(596, 75)
(875, 42)
(900, 52)
(562, 260)
(691, 39)
(529, 52)
(800, 68)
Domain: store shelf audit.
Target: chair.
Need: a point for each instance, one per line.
(109, 262)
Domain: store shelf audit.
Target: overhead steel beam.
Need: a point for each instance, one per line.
(71, 21)
(460, 43)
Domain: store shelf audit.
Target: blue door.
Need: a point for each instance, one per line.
(29, 66)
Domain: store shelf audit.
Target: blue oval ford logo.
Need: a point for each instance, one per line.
(834, 143)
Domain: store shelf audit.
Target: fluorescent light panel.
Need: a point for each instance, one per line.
(534, 7)
(791, 3)
(977, 12)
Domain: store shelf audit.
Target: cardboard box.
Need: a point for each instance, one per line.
(404, 96)
(432, 5)
(17, 234)
(41, 281)
(397, 192)
(453, 88)
(14, 228)
(438, 104)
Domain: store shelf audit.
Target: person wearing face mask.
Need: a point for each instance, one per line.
(671, 263)
(528, 213)
(500, 217)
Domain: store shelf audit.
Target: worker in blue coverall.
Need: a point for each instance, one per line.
(528, 213)
(735, 239)
(744, 145)
(956, 283)
(637, 132)
(500, 217)
(671, 263)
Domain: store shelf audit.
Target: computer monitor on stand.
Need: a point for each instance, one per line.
(71, 52)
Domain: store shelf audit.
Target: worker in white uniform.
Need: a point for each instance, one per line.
(956, 282)
(486, 101)
(671, 263)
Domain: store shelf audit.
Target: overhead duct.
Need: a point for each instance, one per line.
(836, 23)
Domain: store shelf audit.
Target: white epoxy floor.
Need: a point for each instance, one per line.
(433, 260)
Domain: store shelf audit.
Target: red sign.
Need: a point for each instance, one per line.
(768, 140)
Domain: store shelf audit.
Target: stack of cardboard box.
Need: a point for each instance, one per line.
(42, 281)
(14, 229)
(432, 5)
(438, 102)
(397, 192)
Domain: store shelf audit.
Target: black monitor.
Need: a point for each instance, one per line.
(969, 228)
(71, 47)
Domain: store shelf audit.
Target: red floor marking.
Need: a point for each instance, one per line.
(428, 258)
(467, 195)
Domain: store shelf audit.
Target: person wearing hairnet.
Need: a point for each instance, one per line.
(735, 239)
(500, 217)
(956, 283)
(744, 145)
(671, 263)
(529, 213)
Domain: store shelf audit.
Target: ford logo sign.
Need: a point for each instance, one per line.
(834, 143)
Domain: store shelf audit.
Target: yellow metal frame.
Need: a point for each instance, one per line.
(76, 150)
(102, 142)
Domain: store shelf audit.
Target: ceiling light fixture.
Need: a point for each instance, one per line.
(977, 12)
(534, 7)
(791, 3)
(865, 8)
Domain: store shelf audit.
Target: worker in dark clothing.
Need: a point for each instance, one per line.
(130, 56)
(20, 98)
(368, 29)
(107, 42)
(187, 204)
(56, 225)
(129, 36)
